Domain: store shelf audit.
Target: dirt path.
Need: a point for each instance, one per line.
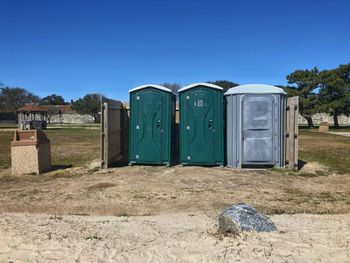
(170, 238)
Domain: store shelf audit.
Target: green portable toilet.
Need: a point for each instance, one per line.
(152, 120)
(201, 125)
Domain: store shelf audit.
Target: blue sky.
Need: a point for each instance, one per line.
(76, 47)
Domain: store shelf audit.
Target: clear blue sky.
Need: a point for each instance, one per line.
(75, 47)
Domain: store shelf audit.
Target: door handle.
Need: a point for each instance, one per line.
(210, 124)
(158, 124)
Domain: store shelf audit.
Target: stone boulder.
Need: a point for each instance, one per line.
(243, 217)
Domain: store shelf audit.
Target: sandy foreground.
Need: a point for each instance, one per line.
(170, 238)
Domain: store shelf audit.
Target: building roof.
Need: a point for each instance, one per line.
(151, 86)
(209, 85)
(255, 89)
(33, 108)
(64, 109)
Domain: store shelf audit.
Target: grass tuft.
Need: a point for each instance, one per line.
(93, 237)
(100, 186)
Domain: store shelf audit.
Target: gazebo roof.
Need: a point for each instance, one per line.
(33, 108)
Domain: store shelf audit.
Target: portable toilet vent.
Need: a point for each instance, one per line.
(255, 126)
(152, 120)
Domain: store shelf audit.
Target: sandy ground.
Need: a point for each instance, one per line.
(159, 214)
(170, 238)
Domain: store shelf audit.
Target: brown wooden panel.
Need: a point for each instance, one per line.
(111, 129)
(292, 132)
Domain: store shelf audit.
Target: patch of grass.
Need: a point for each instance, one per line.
(315, 174)
(73, 146)
(123, 214)
(95, 169)
(100, 186)
(9, 178)
(284, 171)
(64, 174)
(139, 196)
(8, 125)
(72, 125)
(93, 237)
(277, 211)
(340, 129)
(333, 151)
(292, 172)
(80, 214)
(297, 196)
(5, 147)
(55, 217)
(69, 146)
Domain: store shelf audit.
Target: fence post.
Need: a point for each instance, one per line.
(292, 133)
(111, 130)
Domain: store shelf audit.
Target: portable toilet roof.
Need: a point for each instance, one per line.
(255, 89)
(151, 86)
(200, 84)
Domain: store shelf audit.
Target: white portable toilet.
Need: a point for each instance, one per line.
(255, 127)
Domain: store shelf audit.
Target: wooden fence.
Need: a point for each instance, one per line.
(292, 133)
(111, 133)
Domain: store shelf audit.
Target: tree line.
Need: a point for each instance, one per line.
(11, 99)
(326, 91)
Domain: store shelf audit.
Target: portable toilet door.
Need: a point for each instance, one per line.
(152, 120)
(201, 125)
(255, 126)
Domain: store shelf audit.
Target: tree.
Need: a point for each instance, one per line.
(51, 110)
(304, 83)
(53, 100)
(174, 87)
(290, 90)
(335, 92)
(11, 99)
(225, 84)
(90, 104)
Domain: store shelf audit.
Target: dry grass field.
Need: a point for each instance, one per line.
(79, 213)
(5, 148)
(145, 190)
(71, 147)
(328, 149)
(321, 186)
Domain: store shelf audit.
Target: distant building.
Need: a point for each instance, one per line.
(59, 114)
(32, 117)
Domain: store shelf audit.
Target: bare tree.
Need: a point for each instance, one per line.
(174, 87)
